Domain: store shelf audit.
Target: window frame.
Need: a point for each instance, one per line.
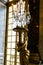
(6, 38)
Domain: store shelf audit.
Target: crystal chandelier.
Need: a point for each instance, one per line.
(21, 13)
(22, 18)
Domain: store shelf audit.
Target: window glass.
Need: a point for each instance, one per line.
(13, 45)
(8, 63)
(8, 51)
(9, 45)
(10, 8)
(17, 63)
(10, 14)
(9, 21)
(8, 57)
(9, 32)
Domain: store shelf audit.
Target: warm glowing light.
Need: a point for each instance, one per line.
(10, 0)
(37, 26)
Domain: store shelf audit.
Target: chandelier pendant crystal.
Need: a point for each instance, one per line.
(21, 13)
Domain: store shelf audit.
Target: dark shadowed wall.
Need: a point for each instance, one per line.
(41, 30)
